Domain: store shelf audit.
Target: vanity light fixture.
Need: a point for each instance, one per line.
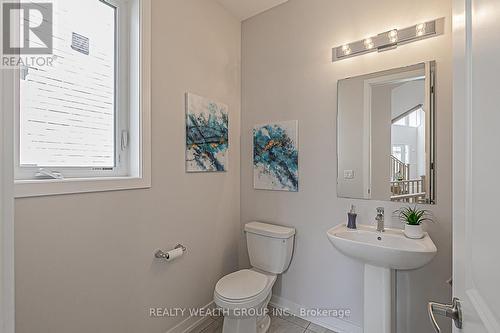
(420, 29)
(393, 36)
(390, 39)
(346, 50)
(369, 43)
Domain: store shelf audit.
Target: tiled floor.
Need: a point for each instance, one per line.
(279, 324)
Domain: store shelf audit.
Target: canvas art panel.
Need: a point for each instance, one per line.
(207, 135)
(276, 157)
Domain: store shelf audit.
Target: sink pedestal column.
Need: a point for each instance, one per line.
(377, 300)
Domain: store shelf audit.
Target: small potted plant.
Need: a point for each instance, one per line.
(413, 218)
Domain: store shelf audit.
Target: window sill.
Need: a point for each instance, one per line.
(49, 187)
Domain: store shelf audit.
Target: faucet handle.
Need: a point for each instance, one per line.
(380, 210)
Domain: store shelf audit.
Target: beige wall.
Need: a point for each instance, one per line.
(380, 134)
(84, 263)
(288, 74)
(352, 140)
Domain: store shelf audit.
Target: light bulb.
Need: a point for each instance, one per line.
(346, 49)
(420, 29)
(369, 43)
(393, 36)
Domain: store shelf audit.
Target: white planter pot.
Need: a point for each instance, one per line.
(414, 231)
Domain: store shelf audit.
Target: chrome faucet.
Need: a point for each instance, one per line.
(380, 219)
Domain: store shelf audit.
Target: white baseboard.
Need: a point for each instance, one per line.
(334, 324)
(192, 322)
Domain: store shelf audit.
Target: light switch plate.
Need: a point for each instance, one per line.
(348, 174)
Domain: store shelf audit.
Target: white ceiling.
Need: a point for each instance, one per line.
(244, 9)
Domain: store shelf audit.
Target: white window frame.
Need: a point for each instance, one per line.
(137, 174)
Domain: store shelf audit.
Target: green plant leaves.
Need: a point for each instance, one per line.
(413, 215)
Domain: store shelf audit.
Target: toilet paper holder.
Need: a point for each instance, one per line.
(164, 255)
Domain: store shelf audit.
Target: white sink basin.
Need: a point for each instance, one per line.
(389, 249)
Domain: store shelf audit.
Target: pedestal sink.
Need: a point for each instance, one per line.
(382, 253)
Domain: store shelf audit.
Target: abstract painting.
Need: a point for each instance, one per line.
(276, 157)
(207, 137)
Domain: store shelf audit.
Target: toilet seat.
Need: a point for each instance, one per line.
(241, 285)
(245, 287)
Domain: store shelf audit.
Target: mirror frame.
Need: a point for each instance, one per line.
(430, 149)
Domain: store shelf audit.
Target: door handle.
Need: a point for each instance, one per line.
(453, 311)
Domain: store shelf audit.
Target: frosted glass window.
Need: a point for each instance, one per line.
(401, 122)
(67, 111)
(414, 119)
(401, 152)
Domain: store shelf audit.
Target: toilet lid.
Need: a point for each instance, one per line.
(241, 284)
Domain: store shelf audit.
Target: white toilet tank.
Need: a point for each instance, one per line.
(270, 246)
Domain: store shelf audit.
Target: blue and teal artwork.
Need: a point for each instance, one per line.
(207, 135)
(276, 156)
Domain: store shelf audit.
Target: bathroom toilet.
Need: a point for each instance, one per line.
(243, 296)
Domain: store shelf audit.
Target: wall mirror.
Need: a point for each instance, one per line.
(385, 135)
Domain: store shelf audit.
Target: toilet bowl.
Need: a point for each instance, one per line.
(243, 296)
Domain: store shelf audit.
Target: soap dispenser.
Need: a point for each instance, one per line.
(351, 218)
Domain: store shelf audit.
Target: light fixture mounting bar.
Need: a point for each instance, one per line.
(390, 39)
